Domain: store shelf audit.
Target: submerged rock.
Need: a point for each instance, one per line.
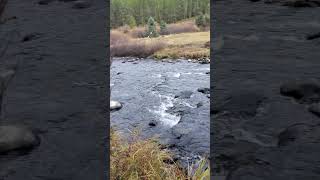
(184, 94)
(17, 138)
(204, 90)
(81, 4)
(115, 105)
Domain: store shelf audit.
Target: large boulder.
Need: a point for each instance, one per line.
(17, 138)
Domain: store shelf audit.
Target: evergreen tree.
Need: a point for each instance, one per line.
(152, 28)
(132, 22)
(163, 28)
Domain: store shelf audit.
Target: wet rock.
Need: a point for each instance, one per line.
(178, 110)
(208, 72)
(153, 123)
(5, 76)
(81, 4)
(292, 133)
(315, 109)
(199, 104)
(45, 2)
(295, 3)
(115, 105)
(307, 91)
(313, 36)
(204, 61)
(30, 37)
(17, 138)
(204, 90)
(240, 104)
(184, 95)
(301, 3)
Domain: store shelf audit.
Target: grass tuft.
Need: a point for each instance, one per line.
(139, 159)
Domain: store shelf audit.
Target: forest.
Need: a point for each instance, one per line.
(137, 12)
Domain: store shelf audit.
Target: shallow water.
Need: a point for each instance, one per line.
(147, 90)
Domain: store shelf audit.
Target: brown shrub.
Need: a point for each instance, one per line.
(136, 48)
(117, 37)
(122, 45)
(183, 27)
(138, 32)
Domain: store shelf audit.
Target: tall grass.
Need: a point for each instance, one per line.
(182, 27)
(122, 45)
(139, 159)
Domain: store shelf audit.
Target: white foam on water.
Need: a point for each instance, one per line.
(174, 74)
(166, 118)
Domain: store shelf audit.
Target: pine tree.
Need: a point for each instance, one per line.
(163, 28)
(132, 22)
(152, 29)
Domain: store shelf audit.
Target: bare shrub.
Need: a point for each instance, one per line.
(122, 45)
(136, 48)
(138, 32)
(183, 27)
(117, 37)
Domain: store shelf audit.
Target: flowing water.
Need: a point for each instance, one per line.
(162, 100)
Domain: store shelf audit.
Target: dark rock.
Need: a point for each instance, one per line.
(184, 95)
(30, 37)
(301, 3)
(204, 90)
(81, 4)
(199, 104)
(304, 91)
(178, 110)
(17, 138)
(292, 133)
(240, 103)
(5, 77)
(313, 36)
(315, 109)
(153, 123)
(45, 2)
(295, 3)
(208, 72)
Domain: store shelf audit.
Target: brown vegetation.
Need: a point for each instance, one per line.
(145, 159)
(122, 45)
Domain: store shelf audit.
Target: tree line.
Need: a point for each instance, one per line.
(138, 12)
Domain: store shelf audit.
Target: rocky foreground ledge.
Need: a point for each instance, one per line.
(265, 109)
(53, 87)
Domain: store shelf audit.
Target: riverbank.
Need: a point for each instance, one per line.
(188, 45)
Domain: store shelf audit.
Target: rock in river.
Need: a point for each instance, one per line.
(204, 90)
(184, 95)
(115, 105)
(16, 138)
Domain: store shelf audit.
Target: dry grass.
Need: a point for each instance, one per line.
(122, 45)
(145, 160)
(186, 45)
(194, 45)
(182, 27)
